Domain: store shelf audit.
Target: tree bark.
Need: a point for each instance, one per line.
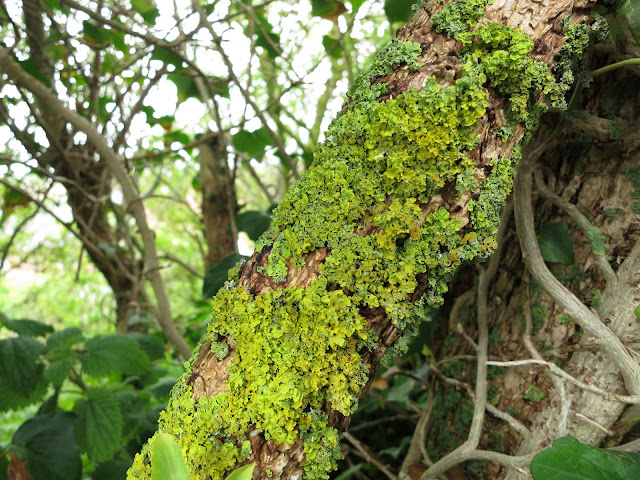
(425, 129)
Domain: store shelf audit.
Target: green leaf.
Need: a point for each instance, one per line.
(99, 424)
(167, 462)
(58, 370)
(111, 470)
(186, 86)
(355, 6)
(48, 448)
(96, 34)
(20, 363)
(107, 354)
(332, 46)
(252, 143)
(628, 16)
(266, 38)
(217, 276)
(400, 390)
(167, 56)
(151, 345)
(59, 344)
(13, 400)
(349, 472)
(27, 327)
(243, 473)
(398, 10)
(569, 459)
(636, 312)
(326, 8)
(142, 6)
(253, 223)
(555, 243)
(30, 65)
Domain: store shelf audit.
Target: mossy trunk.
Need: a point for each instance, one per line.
(407, 187)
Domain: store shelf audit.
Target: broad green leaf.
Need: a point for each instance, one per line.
(167, 462)
(177, 136)
(167, 56)
(47, 446)
(266, 38)
(220, 87)
(13, 400)
(143, 6)
(152, 346)
(569, 459)
(332, 46)
(253, 223)
(252, 143)
(186, 86)
(398, 10)
(107, 354)
(27, 327)
(628, 15)
(31, 67)
(96, 34)
(400, 390)
(636, 312)
(59, 344)
(99, 425)
(555, 243)
(58, 370)
(217, 276)
(633, 473)
(355, 6)
(243, 473)
(20, 363)
(327, 8)
(111, 470)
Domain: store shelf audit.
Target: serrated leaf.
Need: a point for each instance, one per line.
(167, 462)
(27, 327)
(13, 400)
(217, 276)
(99, 424)
(398, 10)
(556, 245)
(571, 460)
(152, 346)
(243, 473)
(111, 470)
(20, 363)
(252, 143)
(58, 370)
(253, 223)
(60, 343)
(47, 446)
(107, 354)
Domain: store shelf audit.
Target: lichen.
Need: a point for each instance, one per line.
(366, 198)
(457, 17)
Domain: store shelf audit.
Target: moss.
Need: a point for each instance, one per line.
(564, 318)
(611, 213)
(633, 174)
(595, 300)
(597, 240)
(534, 394)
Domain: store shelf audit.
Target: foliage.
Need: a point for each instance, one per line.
(104, 418)
(167, 462)
(568, 458)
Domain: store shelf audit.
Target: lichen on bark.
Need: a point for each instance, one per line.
(407, 186)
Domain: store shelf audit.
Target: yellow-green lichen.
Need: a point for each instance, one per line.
(296, 349)
(458, 17)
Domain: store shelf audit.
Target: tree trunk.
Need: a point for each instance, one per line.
(408, 186)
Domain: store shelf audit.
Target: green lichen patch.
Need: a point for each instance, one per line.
(503, 53)
(296, 350)
(457, 17)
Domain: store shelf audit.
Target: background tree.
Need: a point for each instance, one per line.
(526, 409)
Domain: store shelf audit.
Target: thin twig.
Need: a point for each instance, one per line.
(368, 456)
